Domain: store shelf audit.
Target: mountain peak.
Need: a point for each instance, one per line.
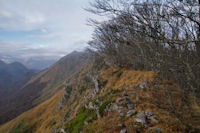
(18, 65)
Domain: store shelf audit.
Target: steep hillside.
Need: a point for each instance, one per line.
(31, 120)
(112, 100)
(12, 74)
(12, 77)
(40, 87)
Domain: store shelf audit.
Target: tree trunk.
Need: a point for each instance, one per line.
(198, 36)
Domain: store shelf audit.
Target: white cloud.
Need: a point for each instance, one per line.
(52, 28)
(36, 14)
(25, 51)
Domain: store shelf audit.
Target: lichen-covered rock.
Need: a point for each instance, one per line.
(141, 117)
(154, 130)
(59, 130)
(65, 97)
(131, 105)
(96, 84)
(153, 119)
(130, 113)
(123, 131)
(119, 99)
(121, 114)
(112, 107)
(142, 85)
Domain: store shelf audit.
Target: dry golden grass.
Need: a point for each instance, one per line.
(117, 78)
(172, 107)
(41, 116)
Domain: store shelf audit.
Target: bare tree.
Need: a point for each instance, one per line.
(163, 36)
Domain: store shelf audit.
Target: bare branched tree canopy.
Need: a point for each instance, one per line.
(163, 36)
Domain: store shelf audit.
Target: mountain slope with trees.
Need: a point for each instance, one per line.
(142, 75)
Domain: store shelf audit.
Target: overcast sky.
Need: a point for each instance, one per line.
(49, 28)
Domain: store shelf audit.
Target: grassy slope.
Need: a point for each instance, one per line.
(155, 99)
(41, 86)
(38, 119)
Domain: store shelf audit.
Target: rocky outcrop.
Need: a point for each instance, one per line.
(96, 84)
(123, 131)
(142, 85)
(141, 118)
(125, 106)
(130, 113)
(59, 130)
(65, 96)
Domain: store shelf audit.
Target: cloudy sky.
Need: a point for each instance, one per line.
(48, 28)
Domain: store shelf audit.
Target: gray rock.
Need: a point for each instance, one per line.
(142, 85)
(141, 117)
(125, 93)
(131, 105)
(118, 99)
(152, 118)
(98, 114)
(130, 113)
(96, 84)
(65, 97)
(97, 101)
(86, 106)
(134, 93)
(121, 114)
(59, 130)
(113, 106)
(149, 113)
(85, 122)
(62, 130)
(120, 109)
(119, 125)
(140, 120)
(123, 131)
(90, 105)
(155, 129)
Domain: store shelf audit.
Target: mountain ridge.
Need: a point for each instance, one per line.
(41, 86)
(133, 101)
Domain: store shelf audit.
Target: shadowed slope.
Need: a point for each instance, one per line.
(40, 87)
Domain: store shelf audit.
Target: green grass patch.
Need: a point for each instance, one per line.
(83, 89)
(103, 106)
(114, 91)
(94, 101)
(66, 115)
(77, 124)
(23, 127)
(18, 128)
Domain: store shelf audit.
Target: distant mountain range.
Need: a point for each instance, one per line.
(39, 87)
(36, 63)
(12, 74)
